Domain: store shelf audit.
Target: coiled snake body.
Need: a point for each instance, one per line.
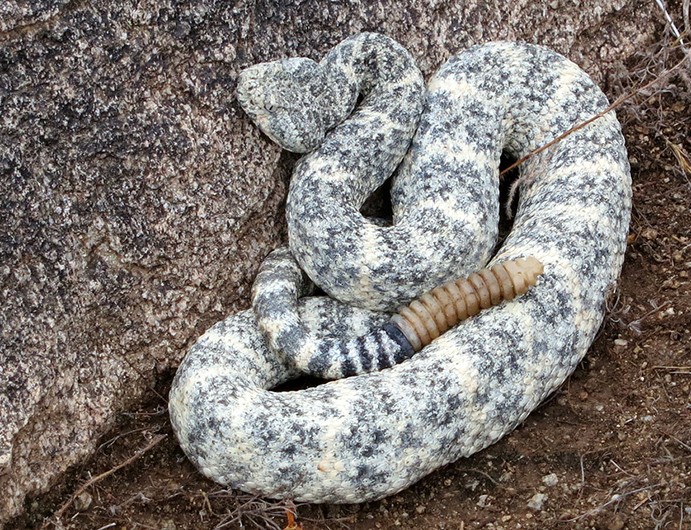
(364, 437)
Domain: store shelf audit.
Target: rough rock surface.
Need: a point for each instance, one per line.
(136, 201)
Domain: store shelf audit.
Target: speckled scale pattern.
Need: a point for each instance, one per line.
(277, 289)
(443, 226)
(369, 436)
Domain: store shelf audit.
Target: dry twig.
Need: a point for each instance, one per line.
(61, 511)
(617, 103)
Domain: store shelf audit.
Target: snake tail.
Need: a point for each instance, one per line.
(440, 309)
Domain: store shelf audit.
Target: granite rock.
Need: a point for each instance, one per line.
(136, 201)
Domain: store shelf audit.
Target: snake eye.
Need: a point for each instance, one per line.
(270, 104)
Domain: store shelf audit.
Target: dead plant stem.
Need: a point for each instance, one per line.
(617, 103)
(61, 511)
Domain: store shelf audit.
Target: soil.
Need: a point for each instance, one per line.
(610, 450)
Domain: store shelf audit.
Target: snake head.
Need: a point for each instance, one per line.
(282, 98)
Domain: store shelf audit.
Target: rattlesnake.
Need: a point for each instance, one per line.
(364, 437)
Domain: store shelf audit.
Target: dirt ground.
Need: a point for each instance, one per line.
(610, 450)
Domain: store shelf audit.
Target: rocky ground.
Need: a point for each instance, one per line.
(610, 450)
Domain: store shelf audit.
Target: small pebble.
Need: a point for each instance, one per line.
(83, 501)
(537, 501)
(482, 501)
(168, 524)
(550, 480)
(618, 522)
(649, 233)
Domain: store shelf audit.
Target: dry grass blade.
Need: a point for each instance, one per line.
(671, 23)
(616, 498)
(258, 512)
(617, 103)
(682, 157)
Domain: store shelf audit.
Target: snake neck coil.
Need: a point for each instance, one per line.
(438, 310)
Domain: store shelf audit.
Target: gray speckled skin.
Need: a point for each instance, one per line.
(332, 353)
(369, 436)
